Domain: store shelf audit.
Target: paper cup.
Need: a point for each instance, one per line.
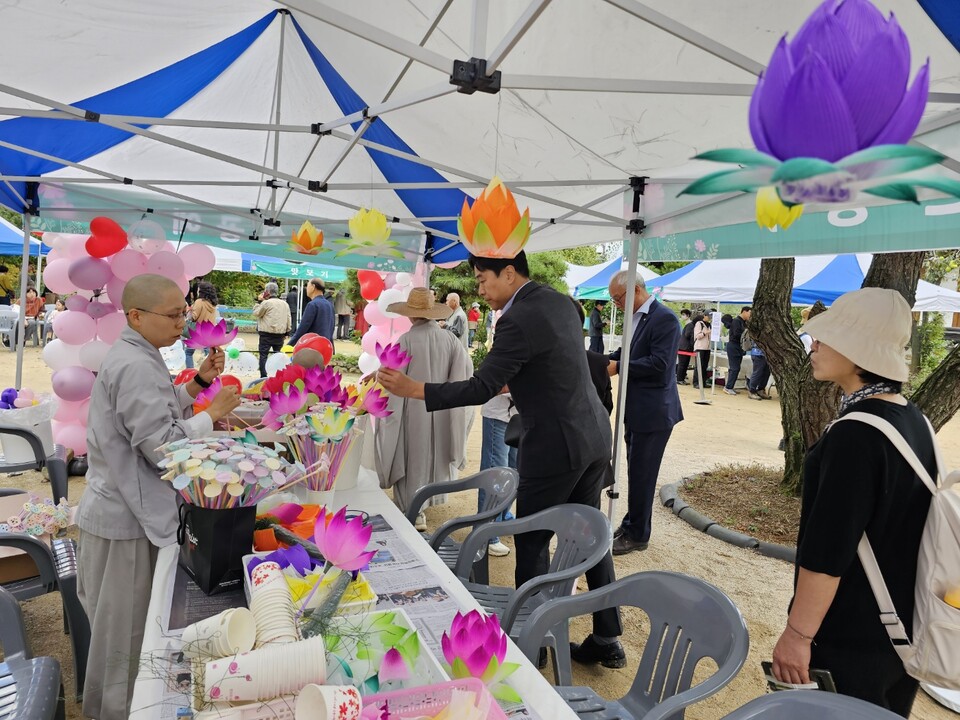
(228, 633)
(265, 575)
(328, 702)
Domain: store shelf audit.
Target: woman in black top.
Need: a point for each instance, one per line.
(855, 481)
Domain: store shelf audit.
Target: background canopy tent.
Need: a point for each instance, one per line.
(11, 241)
(817, 277)
(243, 119)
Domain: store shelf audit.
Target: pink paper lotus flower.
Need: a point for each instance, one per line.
(203, 399)
(393, 667)
(392, 356)
(207, 335)
(375, 403)
(476, 647)
(343, 542)
(288, 401)
(322, 382)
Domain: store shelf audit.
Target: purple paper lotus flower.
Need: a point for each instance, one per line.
(322, 382)
(392, 356)
(343, 542)
(839, 86)
(393, 667)
(207, 334)
(288, 401)
(339, 396)
(294, 556)
(474, 640)
(375, 403)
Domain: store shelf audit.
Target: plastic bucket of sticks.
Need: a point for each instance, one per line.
(325, 461)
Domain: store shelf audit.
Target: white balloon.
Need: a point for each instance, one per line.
(368, 363)
(275, 363)
(147, 236)
(404, 279)
(58, 355)
(92, 354)
(249, 363)
(239, 343)
(387, 298)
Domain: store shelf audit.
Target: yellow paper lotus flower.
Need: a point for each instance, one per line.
(307, 240)
(772, 212)
(331, 423)
(493, 227)
(369, 226)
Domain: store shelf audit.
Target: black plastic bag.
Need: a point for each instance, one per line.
(213, 543)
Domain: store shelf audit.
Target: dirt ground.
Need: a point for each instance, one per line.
(732, 429)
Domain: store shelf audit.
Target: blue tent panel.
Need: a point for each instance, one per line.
(672, 277)
(602, 278)
(946, 15)
(841, 275)
(154, 95)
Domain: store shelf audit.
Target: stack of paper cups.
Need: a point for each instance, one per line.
(272, 605)
(266, 673)
(232, 631)
(328, 702)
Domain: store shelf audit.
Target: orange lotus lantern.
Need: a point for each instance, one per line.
(493, 226)
(308, 240)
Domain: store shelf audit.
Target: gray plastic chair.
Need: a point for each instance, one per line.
(688, 617)
(500, 487)
(805, 704)
(57, 567)
(30, 688)
(55, 463)
(583, 537)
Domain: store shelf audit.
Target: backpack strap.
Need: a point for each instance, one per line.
(888, 613)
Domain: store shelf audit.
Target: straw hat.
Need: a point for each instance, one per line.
(420, 304)
(870, 327)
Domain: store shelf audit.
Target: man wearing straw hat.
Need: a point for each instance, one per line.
(127, 512)
(415, 447)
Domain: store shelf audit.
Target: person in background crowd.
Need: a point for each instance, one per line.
(273, 323)
(597, 324)
(803, 334)
(127, 513)
(342, 307)
(473, 318)
(401, 438)
(293, 301)
(33, 316)
(686, 345)
(652, 405)
(757, 386)
(318, 316)
(6, 285)
(701, 345)
(204, 309)
(598, 365)
(856, 482)
(735, 351)
(564, 453)
(361, 325)
(58, 308)
(457, 322)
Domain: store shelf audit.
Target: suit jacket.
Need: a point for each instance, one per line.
(538, 351)
(653, 402)
(601, 379)
(318, 317)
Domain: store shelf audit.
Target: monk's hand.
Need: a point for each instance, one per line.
(223, 403)
(612, 368)
(397, 383)
(212, 366)
(791, 658)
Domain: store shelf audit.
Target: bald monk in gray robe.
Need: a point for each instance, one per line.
(127, 512)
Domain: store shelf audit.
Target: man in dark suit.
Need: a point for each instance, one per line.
(318, 316)
(652, 405)
(597, 322)
(564, 452)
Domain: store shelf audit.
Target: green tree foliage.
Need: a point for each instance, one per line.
(236, 289)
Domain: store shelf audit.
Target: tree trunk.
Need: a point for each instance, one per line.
(806, 405)
(938, 397)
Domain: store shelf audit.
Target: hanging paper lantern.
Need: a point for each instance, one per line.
(308, 240)
(369, 235)
(493, 227)
(830, 115)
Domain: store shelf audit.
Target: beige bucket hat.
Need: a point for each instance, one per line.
(420, 304)
(870, 327)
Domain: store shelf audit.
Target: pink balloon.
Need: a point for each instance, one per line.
(400, 325)
(71, 435)
(197, 259)
(115, 291)
(56, 276)
(97, 310)
(54, 255)
(371, 337)
(74, 246)
(75, 412)
(93, 353)
(183, 284)
(167, 264)
(90, 273)
(109, 327)
(374, 315)
(73, 383)
(77, 303)
(74, 328)
(128, 263)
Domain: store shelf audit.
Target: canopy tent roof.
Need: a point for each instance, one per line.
(590, 281)
(816, 277)
(193, 108)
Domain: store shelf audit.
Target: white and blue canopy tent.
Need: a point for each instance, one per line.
(816, 277)
(231, 121)
(11, 241)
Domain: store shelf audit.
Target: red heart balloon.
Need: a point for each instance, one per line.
(185, 376)
(371, 284)
(107, 238)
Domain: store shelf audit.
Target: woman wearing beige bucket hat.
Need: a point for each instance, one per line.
(855, 481)
(413, 447)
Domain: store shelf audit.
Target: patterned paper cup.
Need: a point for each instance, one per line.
(328, 702)
(228, 633)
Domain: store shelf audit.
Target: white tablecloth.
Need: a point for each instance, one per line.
(537, 693)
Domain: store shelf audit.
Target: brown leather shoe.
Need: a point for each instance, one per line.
(626, 544)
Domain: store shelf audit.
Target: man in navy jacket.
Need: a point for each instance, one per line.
(318, 316)
(652, 405)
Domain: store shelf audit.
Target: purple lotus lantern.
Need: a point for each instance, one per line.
(207, 334)
(830, 117)
(392, 356)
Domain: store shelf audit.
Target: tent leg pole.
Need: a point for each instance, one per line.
(21, 337)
